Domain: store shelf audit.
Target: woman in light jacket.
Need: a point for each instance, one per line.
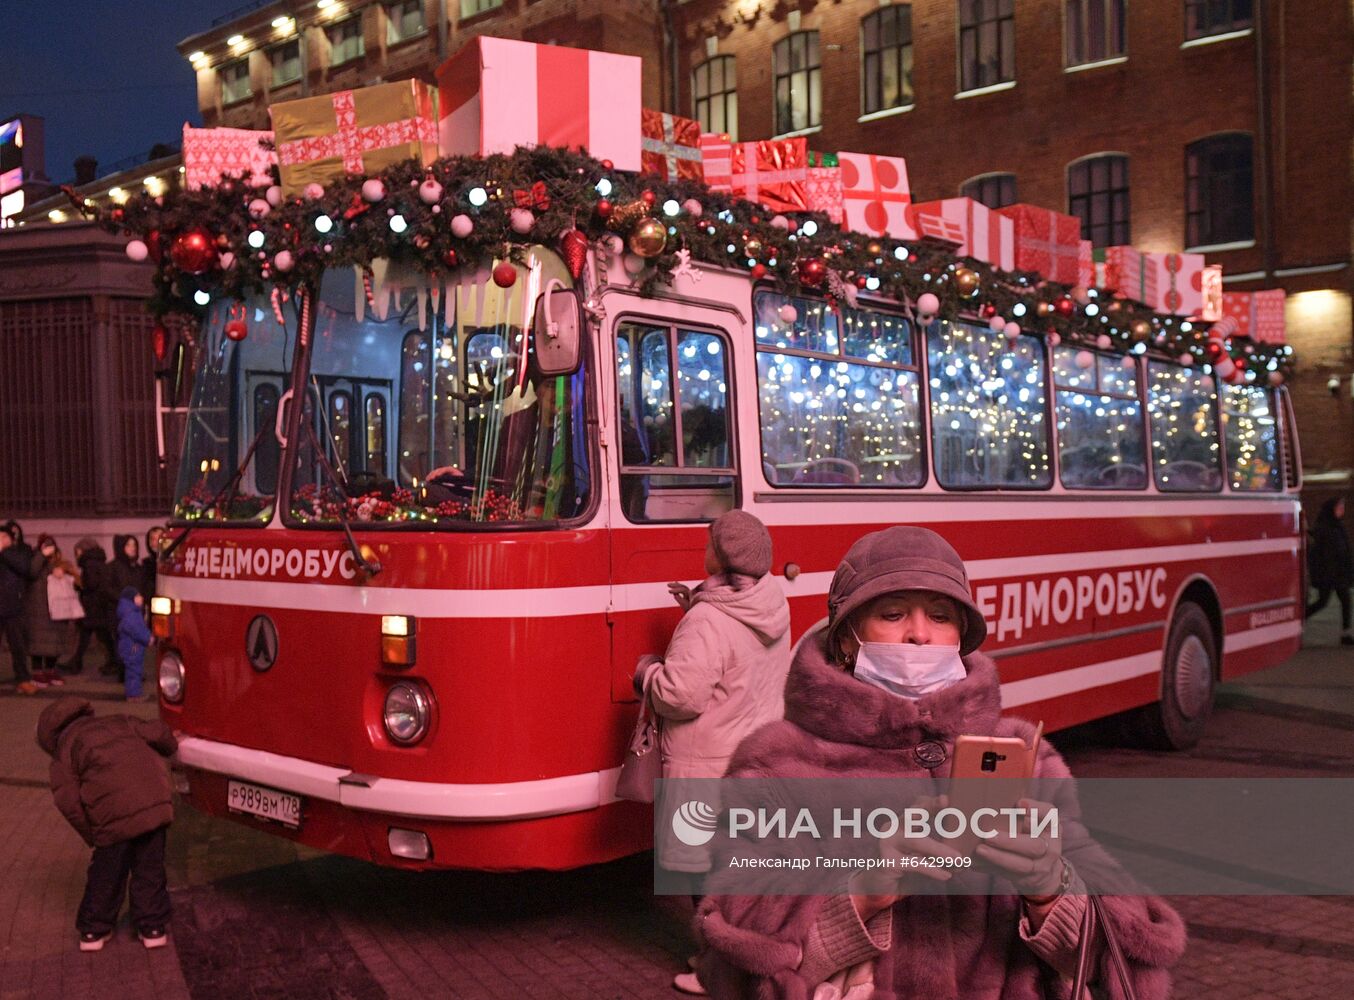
(723, 674)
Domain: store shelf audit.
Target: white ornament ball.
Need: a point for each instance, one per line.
(997, 323)
(1207, 383)
(373, 190)
(461, 226)
(313, 191)
(634, 263)
(137, 251)
(329, 248)
(928, 304)
(614, 244)
(521, 220)
(226, 260)
(430, 192)
(273, 195)
(283, 260)
(1081, 295)
(1104, 342)
(1054, 338)
(1011, 330)
(787, 313)
(258, 208)
(693, 208)
(780, 222)
(1276, 378)
(1186, 359)
(1085, 359)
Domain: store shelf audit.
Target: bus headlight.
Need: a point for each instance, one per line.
(406, 713)
(171, 677)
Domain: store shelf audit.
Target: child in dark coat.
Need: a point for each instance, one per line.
(111, 784)
(133, 638)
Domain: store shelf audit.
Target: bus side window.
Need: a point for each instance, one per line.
(676, 453)
(269, 451)
(987, 408)
(1251, 431)
(1101, 439)
(1182, 411)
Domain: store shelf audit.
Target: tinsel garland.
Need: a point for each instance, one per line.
(563, 190)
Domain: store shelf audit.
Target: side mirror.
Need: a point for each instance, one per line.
(556, 333)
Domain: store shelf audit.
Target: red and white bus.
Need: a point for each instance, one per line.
(1131, 530)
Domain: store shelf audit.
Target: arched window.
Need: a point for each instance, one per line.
(992, 190)
(1097, 194)
(886, 58)
(798, 82)
(1219, 191)
(714, 95)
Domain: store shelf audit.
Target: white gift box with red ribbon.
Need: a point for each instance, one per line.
(876, 195)
(497, 94)
(210, 154)
(717, 160)
(1258, 315)
(988, 236)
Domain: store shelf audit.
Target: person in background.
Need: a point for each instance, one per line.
(1330, 568)
(133, 638)
(48, 639)
(151, 560)
(723, 674)
(99, 620)
(16, 532)
(125, 569)
(110, 782)
(15, 574)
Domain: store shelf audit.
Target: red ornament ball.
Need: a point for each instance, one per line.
(649, 198)
(155, 245)
(604, 209)
(813, 272)
(1214, 350)
(505, 275)
(758, 271)
(1065, 306)
(988, 311)
(607, 165)
(237, 329)
(194, 251)
(861, 281)
(159, 341)
(449, 258)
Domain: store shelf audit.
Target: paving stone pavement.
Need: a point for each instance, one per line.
(258, 917)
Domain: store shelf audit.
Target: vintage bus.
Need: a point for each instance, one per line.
(426, 534)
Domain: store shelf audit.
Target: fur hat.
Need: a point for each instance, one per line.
(742, 543)
(897, 559)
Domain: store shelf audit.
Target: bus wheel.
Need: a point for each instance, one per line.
(1178, 720)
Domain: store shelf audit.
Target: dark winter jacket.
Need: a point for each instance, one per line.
(133, 635)
(107, 774)
(122, 571)
(15, 575)
(148, 574)
(1328, 557)
(94, 596)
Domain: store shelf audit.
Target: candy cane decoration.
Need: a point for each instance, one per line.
(277, 305)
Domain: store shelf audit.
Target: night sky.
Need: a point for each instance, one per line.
(103, 73)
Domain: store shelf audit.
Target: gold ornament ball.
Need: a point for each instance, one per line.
(625, 217)
(1114, 306)
(752, 247)
(1044, 308)
(875, 249)
(649, 238)
(1140, 330)
(966, 281)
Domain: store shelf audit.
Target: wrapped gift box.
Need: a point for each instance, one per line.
(353, 132)
(823, 189)
(1258, 315)
(717, 160)
(1211, 310)
(1086, 265)
(773, 173)
(1046, 242)
(497, 94)
(671, 146)
(988, 236)
(210, 154)
(876, 195)
(1170, 283)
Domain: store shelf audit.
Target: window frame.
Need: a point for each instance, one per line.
(1200, 150)
(917, 344)
(811, 72)
(964, 29)
(483, 7)
(725, 96)
(1113, 9)
(1140, 379)
(338, 26)
(391, 21)
(1087, 230)
(1189, 6)
(273, 82)
(1217, 429)
(902, 52)
(972, 187)
(241, 63)
(1280, 468)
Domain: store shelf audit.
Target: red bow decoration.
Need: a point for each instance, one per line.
(536, 198)
(355, 208)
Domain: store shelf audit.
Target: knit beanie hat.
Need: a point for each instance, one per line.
(742, 544)
(898, 559)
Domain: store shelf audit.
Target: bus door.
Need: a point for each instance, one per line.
(353, 416)
(672, 430)
(263, 391)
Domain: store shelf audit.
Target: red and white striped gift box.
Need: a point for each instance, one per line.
(717, 160)
(988, 236)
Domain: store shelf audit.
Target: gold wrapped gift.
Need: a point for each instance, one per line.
(353, 133)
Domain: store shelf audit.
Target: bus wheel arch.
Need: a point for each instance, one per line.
(1190, 670)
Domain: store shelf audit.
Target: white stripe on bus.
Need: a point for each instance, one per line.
(556, 602)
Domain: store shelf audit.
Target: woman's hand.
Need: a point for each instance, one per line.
(1033, 864)
(915, 857)
(681, 593)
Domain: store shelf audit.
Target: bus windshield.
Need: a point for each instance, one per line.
(425, 410)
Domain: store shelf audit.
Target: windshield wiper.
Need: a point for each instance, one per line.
(230, 486)
(369, 566)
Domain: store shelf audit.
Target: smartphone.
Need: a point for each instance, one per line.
(989, 772)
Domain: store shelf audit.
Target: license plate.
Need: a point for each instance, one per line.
(266, 803)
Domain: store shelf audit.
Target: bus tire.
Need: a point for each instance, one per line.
(1188, 679)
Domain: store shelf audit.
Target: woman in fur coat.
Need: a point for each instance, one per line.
(861, 701)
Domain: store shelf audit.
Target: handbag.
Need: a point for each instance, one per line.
(63, 603)
(1094, 917)
(643, 764)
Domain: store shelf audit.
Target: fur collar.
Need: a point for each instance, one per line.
(830, 703)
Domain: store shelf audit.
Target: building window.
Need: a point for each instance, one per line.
(1097, 194)
(346, 41)
(404, 21)
(986, 43)
(1094, 29)
(714, 95)
(886, 58)
(469, 8)
(1214, 17)
(799, 102)
(992, 190)
(235, 82)
(286, 63)
(1218, 191)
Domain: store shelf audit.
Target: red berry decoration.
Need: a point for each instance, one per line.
(604, 209)
(1065, 306)
(237, 329)
(194, 251)
(813, 272)
(505, 275)
(758, 271)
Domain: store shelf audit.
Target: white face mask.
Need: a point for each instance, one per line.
(908, 670)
